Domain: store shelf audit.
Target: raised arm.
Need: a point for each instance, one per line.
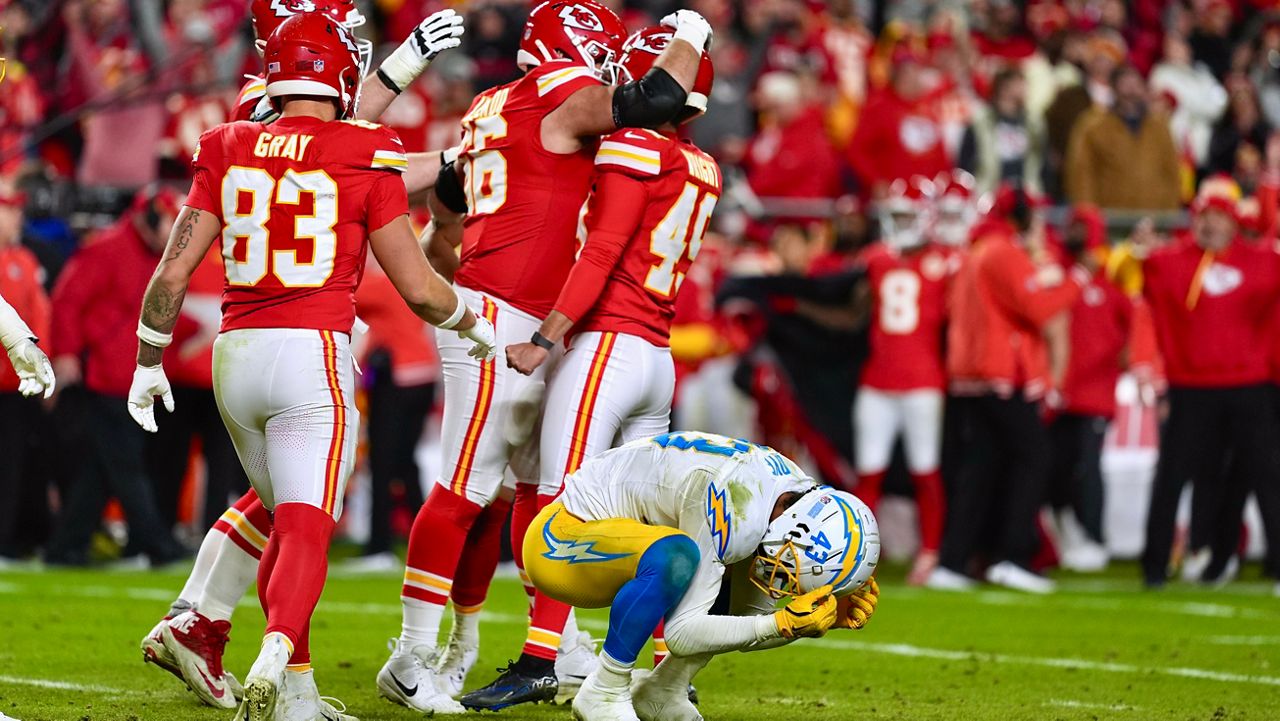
(437, 33)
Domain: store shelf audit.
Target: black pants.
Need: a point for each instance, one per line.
(1075, 476)
(1001, 480)
(114, 466)
(23, 494)
(195, 414)
(396, 417)
(1219, 439)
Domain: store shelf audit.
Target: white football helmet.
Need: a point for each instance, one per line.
(905, 213)
(825, 537)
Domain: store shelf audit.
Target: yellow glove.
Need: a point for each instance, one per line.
(853, 611)
(807, 616)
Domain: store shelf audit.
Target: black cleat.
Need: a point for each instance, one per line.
(518, 684)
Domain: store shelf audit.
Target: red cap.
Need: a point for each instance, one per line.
(1218, 192)
(1096, 226)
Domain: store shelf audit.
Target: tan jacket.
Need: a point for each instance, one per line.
(1112, 167)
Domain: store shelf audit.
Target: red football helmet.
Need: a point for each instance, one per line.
(581, 30)
(645, 45)
(904, 213)
(312, 55)
(269, 14)
(957, 207)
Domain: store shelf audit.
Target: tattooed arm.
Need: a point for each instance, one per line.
(193, 233)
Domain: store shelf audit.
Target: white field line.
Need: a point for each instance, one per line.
(1079, 664)
(1183, 608)
(1072, 703)
(1244, 640)
(61, 685)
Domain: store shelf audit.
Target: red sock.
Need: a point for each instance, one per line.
(301, 658)
(480, 559)
(435, 545)
(659, 644)
(265, 566)
(302, 533)
(246, 510)
(868, 488)
(931, 504)
(525, 508)
(548, 616)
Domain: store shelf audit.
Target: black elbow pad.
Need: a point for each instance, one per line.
(449, 188)
(651, 101)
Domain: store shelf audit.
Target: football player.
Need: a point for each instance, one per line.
(524, 172)
(653, 197)
(649, 529)
(35, 373)
(901, 391)
(229, 554)
(296, 203)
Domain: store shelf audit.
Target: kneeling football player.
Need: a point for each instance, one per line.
(649, 529)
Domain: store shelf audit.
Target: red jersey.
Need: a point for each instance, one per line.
(297, 199)
(654, 195)
(908, 310)
(1101, 329)
(524, 201)
(251, 95)
(22, 285)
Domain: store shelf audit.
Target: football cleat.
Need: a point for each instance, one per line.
(456, 662)
(596, 703)
(944, 579)
(515, 685)
(153, 650)
(654, 701)
(264, 683)
(574, 662)
(409, 679)
(195, 644)
(299, 700)
(1011, 575)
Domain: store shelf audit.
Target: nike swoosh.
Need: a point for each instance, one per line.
(217, 692)
(403, 689)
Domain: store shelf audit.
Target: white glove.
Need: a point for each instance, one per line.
(439, 32)
(149, 382)
(486, 342)
(35, 373)
(690, 27)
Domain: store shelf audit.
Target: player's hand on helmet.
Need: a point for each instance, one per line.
(35, 373)
(690, 27)
(484, 338)
(148, 382)
(526, 357)
(808, 616)
(439, 32)
(853, 611)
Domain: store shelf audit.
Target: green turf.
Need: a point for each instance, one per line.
(1099, 649)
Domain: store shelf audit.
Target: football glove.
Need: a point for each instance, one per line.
(482, 334)
(148, 382)
(35, 373)
(853, 611)
(439, 32)
(690, 27)
(807, 616)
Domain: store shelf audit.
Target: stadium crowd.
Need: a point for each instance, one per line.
(1076, 189)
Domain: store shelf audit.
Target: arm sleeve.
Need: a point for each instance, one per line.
(1011, 278)
(690, 630)
(747, 600)
(12, 327)
(617, 207)
(387, 200)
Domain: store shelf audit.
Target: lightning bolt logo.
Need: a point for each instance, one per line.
(573, 551)
(718, 519)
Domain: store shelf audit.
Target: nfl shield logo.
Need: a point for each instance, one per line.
(273, 67)
(318, 65)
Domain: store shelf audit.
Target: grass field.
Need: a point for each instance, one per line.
(1101, 648)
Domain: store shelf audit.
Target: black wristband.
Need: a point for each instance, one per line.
(541, 341)
(387, 82)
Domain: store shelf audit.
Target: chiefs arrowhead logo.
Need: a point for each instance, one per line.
(288, 8)
(654, 43)
(580, 18)
(1221, 279)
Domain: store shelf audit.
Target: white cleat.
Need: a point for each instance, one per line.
(654, 701)
(1087, 556)
(300, 701)
(597, 703)
(944, 579)
(456, 662)
(1011, 575)
(153, 650)
(409, 678)
(263, 684)
(1194, 565)
(575, 660)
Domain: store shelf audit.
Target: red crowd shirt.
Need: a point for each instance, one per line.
(297, 200)
(22, 286)
(1213, 313)
(524, 201)
(396, 329)
(95, 306)
(654, 195)
(189, 361)
(1101, 328)
(908, 310)
(896, 139)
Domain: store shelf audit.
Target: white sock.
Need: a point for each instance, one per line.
(212, 543)
(229, 578)
(421, 623)
(466, 627)
(613, 673)
(570, 632)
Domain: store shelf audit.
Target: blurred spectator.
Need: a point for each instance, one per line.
(1124, 157)
(898, 136)
(1198, 98)
(790, 156)
(1212, 298)
(1101, 53)
(847, 42)
(1004, 144)
(1265, 73)
(1211, 37)
(21, 109)
(996, 361)
(1000, 39)
(1052, 68)
(21, 286)
(1239, 138)
(95, 308)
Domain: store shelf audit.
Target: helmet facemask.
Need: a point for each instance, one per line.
(903, 227)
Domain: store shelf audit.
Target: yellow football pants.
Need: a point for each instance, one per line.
(584, 563)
